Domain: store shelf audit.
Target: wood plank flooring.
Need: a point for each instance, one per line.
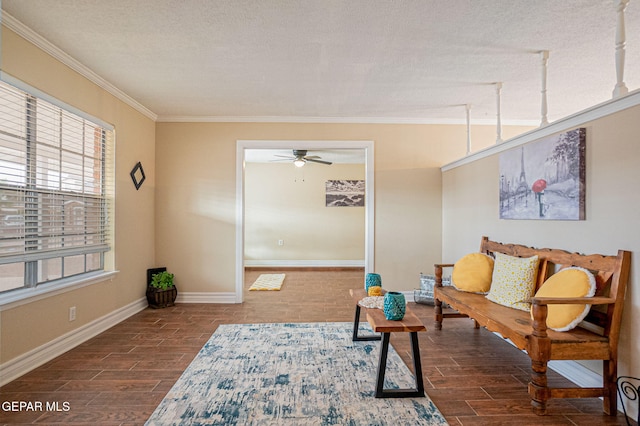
(121, 375)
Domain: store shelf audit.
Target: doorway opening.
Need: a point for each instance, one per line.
(251, 148)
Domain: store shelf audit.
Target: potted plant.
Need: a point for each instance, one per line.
(161, 290)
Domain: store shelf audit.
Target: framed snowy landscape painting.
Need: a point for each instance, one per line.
(545, 179)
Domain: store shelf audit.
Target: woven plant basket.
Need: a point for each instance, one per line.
(161, 298)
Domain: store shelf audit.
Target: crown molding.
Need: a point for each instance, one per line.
(36, 39)
(335, 120)
(578, 119)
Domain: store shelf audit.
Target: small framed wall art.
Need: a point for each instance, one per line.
(345, 193)
(137, 175)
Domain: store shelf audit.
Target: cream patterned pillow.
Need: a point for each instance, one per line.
(513, 281)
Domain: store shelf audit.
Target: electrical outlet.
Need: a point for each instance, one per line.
(72, 313)
(280, 242)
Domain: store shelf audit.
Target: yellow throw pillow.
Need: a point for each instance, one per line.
(472, 273)
(569, 282)
(513, 281)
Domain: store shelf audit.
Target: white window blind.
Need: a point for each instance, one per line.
(55, 189)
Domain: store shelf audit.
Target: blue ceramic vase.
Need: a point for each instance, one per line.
(372, 280)
(394, 306)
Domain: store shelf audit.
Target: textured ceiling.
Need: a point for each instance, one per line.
(344, 60)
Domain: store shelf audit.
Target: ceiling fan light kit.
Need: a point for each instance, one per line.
(300, 158)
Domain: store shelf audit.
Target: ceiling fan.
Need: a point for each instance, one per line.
(300, 158)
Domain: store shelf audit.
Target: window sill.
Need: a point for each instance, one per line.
(23, 296)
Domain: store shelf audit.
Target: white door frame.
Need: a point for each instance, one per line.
(242, 145)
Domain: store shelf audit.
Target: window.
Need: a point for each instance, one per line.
(55, 190)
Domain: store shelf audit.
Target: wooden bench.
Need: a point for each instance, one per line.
(596, 338)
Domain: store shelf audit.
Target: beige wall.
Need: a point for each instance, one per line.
(470, 210)
(25, 327)
(196, 183)
(284, 202)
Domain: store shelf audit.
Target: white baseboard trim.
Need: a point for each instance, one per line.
(23, 364)
(409, 295)
(577, 373)
(306, 263)
(197, 297)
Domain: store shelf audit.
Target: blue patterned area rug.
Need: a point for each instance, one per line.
(291, 374)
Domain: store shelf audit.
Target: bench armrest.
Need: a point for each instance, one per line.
(572, 300)
(438, 272)
(539, 309)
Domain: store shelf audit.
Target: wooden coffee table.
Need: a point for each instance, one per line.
(409, 324)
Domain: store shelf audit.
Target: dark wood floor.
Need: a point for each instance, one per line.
(120, 376)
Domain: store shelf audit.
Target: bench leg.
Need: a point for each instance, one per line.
(539, 350)
(356, 326)
(381, 392)
(438, 314)
(609, 377)
(538, 389)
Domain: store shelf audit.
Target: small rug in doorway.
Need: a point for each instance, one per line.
(268, 282)
(291, 374)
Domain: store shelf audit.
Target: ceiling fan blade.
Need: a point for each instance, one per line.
(288, 157)
(312, 156)
(313, 160)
